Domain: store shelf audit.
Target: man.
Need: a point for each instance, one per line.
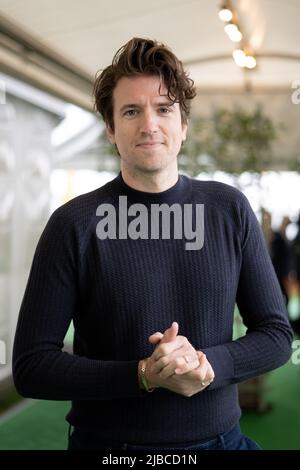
(131, 264)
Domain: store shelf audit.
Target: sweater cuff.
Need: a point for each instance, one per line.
(222, 363)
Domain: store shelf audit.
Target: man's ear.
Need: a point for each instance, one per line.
(110, 134)
(184, 130)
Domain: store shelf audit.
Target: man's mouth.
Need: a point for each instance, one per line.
(149, 144)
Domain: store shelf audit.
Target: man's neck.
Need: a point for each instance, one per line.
(150, 182)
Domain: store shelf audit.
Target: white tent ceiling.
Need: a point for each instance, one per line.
(89, 32)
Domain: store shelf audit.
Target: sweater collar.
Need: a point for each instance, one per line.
(177, 193)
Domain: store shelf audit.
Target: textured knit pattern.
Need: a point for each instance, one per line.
(118, 292)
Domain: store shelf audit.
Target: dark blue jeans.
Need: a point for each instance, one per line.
(230, 440)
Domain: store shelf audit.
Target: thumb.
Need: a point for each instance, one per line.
(171, 333)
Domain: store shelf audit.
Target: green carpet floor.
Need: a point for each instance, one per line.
(278, 429)
(42, 425)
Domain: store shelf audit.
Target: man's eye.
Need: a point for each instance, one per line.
(130, 112)
(164, 110)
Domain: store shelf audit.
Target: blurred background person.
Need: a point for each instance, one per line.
(295, 279)
(280, 252)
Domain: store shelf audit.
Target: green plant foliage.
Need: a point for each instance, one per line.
(232, 140)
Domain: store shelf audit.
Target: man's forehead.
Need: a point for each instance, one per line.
(139, 88)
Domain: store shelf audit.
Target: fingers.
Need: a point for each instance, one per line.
(189, 363)
(169, 335)
(206, 373)
(179, 364)
(174, 354)
(155, 338)
(166, 349)
(209, 376)
(184, 358)
(203, 368)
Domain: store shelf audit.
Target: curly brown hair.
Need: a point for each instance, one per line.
(143, 57)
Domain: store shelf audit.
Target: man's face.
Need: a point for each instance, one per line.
(148, 128)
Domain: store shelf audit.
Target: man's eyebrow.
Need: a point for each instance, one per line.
(130, 105)
(167, 102)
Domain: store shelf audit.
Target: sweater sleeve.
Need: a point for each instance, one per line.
(267, 343)
(40, 368)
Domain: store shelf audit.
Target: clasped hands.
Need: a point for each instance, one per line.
(176, 365)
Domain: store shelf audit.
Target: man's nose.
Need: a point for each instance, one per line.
(149, 122)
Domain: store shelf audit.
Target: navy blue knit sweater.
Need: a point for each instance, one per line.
(118, 292)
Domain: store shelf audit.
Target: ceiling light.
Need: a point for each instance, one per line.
(225, 14)
(243, 55)
(230, 28)
(239, 57)
(250, 62)
(235, 36)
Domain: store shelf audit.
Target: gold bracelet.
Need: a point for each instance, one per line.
(143, 377)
